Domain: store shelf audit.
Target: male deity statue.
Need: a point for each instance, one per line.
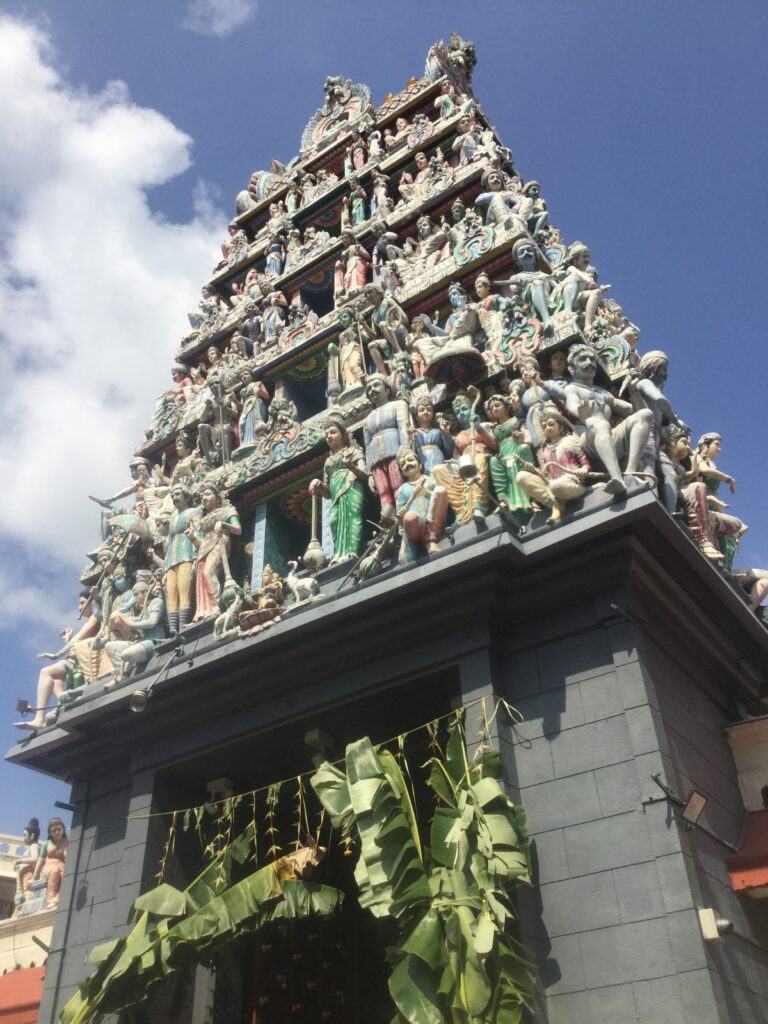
(647, 383)
(500, 202)
(385, 430)
(563, 466)
(180, 557)
(139, 631)
(591, 408)
(531, 284)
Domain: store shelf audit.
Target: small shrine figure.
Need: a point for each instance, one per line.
(513, 455)
(356, 154)
(530, 284)
(422, 505)
(211, 535)
(646, 385)
(275, 304)
(269, 595)
(346, 363)
(467, 143)
(412, 184)
(253, 410)
(275, 256)
(381, 204)
(180, 557)
(385, 249)
(188, 465)
(138, 631)
(344, 483)
(563, 467)
(385, 430)
(433, 446)
(708, 448)
(50, 863)
(25, 865)
(500, 202)
(216, 431)
(422, 346)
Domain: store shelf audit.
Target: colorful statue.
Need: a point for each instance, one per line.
(530, 285)
(253, 410)
(352, 267)
(466, 479)
(188, 465)
(385, 430)
(344, 484)
(532, 208)
(25, 865)
(513, 455)
(433, 446)
(578, 289)
(563, 467)
(591, 408)
(180, 557)
(50, 863)
(422, 505)
(211, 535)
(500, 202)
(138, 631)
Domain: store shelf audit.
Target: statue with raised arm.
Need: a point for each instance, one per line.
(592, 409)
(50, 863)
(646, 385)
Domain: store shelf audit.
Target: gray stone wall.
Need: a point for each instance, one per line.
(613, 918)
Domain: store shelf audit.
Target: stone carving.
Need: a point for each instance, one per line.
(344, 484)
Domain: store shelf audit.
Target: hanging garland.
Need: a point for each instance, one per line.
(457, 958)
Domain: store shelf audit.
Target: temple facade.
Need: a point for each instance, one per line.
(413, 474)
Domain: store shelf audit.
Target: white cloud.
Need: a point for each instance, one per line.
(94, 288)
(218, 17)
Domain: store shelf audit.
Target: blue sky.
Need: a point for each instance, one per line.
(644, 123)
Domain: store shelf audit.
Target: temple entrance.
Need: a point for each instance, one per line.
(321, 969)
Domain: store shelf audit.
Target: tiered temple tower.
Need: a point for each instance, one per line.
(412, 458)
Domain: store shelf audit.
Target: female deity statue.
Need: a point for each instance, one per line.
(513, 455)
(253, 411)
(25, 865)
(275, 304)
(433, 446)
(352, 267)
(344, 484)
(275, 256)
(219, 523)
(563, 466)
(50, 863)
(708, 448)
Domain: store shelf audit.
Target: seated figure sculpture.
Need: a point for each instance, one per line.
(563, 466)
(138, 631)
(592, 408)
(422, 505)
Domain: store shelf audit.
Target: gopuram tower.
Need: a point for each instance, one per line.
(415, 550)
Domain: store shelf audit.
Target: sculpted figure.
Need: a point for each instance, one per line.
(422, 347)
(578, 290)
(387, 328)
(712, 529)
(433, 445)
(467, 144)
(179, 557)
(499, 201)
(344, 484)
(210, 309)
(458, 357)
(253, 411)
(422, 505)
(385, 430)
(139, 631)
(141, 472)
(467, 488)
(432, 244)
(187, 464)
(647, 388)
(531, 285)
(354, 206)
(591, 407)
(346, 364)
(356, 155)
(275, 256)
(532, 208)
(50, 864)
(216, 431)
(25, 865)
(707, 450)
(385, 249)
(275, 304)
(352, 267)
(513, 455)
(211, 535)
(411, 184)
(381, 203)
(563, 467)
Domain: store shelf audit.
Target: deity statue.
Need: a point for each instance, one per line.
(234, 249)
(422, 505)
(457, 358)
(450, 102)
(210, 310)
(500, 202)
(433, 445)
(346, 363)
(431, 245)
(411, 185)
(344, 484)
(50, 863)
(24, 867)
(188, 465)
(253, 410)
(563, 467)
(466, 480)
(578, 289)
(388, 326)
(729, 528)
(138, 631)
(646, 385)
(179, 558)
(355, 205)
(381, 204)
(385, 249)
(356, 154)
(216, 429)
(211, 535)
(530, 283)
(513, 454)
(275, 256)
(532, 209)
(456, 61)
(422, 346)
(275, 304)
(467, 143)
(352, 267)
(591, 408)
(385, 430)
